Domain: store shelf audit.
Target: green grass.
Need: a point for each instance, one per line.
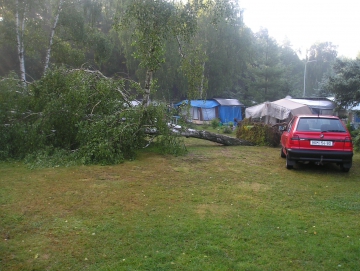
(217, 130)
(217, 208)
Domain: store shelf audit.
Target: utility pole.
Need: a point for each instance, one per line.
(305, 75)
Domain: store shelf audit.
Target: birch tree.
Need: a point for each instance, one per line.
(153, 23)
(20, 29)
(59, 31)
(26, 18)
(48, 52)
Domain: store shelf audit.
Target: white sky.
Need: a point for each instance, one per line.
(306, 22)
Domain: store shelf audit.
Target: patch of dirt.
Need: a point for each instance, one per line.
(253, 186)
(211, 209)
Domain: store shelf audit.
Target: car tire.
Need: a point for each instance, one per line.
(288, 164)
(344, 169)
(282, 154)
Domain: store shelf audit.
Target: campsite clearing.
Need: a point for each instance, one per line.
(217, 208)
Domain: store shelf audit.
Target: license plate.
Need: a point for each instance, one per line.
(321, 143)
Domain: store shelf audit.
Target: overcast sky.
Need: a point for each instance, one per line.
(306, 22)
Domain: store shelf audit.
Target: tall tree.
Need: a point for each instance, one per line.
(321, 56)
(266, 69)
(52, 32)
(24, 26)
(225, 44)
(293, 70)
(20, 17)
(154, 22)
(344, 83)
(56, 31)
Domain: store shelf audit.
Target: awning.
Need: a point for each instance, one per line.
(279, 109)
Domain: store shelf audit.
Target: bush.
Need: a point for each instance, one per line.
(356, 139)
(215, 123)
(205, 125)
(79, 114)
(258, 133)
(227, 130)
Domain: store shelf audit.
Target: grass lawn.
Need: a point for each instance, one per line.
(217, 208)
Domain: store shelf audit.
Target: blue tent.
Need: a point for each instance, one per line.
(205, 110)
(229, 110)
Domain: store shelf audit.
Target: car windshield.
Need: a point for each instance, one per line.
(320, 125)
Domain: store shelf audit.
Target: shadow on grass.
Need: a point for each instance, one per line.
(322, 168)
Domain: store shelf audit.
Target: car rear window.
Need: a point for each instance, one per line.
(320, 125)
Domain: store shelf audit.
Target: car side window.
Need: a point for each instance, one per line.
(290, 125)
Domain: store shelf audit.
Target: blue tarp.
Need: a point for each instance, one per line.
(199, 103)
(230, 113)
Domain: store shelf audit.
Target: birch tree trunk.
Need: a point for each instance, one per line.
(218, 138)
(205, 135)
(202, 81)
(148, 81)
(20, 27)
(48, 52)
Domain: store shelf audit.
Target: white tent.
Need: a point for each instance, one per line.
(319, 106)
(280, 110)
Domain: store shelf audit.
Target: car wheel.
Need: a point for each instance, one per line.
(282, 154)
(288, 164)
(344, 169)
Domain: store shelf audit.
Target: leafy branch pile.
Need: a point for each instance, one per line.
(258, 133)
(79, 116)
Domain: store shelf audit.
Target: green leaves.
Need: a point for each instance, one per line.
(79, 114)
(258, 133)
(344, 83)
(153, 23)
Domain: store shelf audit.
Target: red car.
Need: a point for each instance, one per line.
(319, 139)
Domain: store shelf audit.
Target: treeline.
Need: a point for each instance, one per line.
(204, 46)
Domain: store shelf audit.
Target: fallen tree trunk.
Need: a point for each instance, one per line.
(221, 139)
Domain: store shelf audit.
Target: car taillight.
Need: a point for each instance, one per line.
(348, 143)
(294, 140)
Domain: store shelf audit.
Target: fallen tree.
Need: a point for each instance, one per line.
(218, 138)
(201, 134)
(81, 116)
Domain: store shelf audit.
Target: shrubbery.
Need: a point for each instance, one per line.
(215, 123)
(356, 139)
(258, 133)
(78, 114)
(227, 130)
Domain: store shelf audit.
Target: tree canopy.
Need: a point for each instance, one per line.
(344, 83)
(192, 49)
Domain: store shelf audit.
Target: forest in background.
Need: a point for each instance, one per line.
(70, 70)
(232, 61)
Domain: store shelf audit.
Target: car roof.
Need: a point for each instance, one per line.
(318, 116)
